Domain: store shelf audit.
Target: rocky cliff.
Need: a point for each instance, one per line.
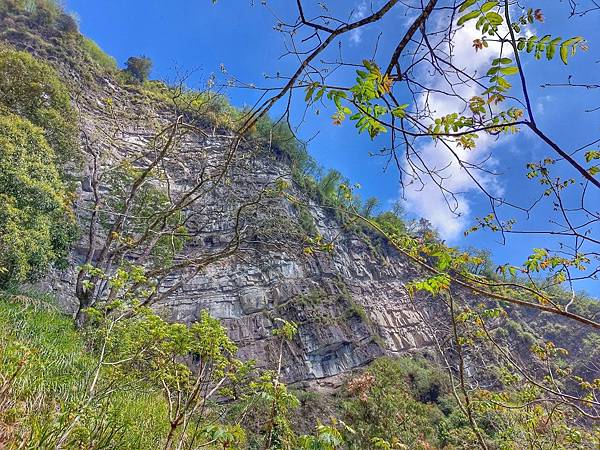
(350, 304)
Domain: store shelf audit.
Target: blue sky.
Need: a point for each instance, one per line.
(193, 35)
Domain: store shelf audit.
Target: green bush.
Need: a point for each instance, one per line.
(306, 221)
(53, 369)
(48, 14)
(36, 226)
(96, 54)
(284, 143)
(138, 68)
(32, 89)
(391, 223)
(395, 400)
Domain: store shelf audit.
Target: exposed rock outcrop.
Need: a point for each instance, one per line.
(351, 305)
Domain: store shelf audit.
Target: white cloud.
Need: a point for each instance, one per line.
(450, 215)
(540, 106)
(359, 13)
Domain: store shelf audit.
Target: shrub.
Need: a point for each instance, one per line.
(36, 226)
(32, 89)
(53, 369)
(282, 140)
(394, 399)
(306, 221)
(138, 68)
(67, 24)
(391, 223)
(47, 14)
(44, 13)
(329, 187)
(96, 54)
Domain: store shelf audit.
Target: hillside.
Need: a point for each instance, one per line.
(162, 219)
(351, 304)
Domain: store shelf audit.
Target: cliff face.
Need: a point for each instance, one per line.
(350, 304)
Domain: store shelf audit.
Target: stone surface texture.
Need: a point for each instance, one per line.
(351, 304)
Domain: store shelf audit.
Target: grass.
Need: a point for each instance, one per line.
(35, 333)
(96, 54)
(45, 371)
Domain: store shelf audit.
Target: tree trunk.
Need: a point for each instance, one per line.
(171, 436)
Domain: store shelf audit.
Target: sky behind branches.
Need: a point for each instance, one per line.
(193, 36)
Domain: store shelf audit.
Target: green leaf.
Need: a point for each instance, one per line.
(494, 18)
(573, 40)
(400, 111)
(510, 70)
(564, 53)
(555, 41)
(472, 15)
(551, 49)
(503, 83)
(309, 92)
(480, 22)
(566, 46)
(591, 155)
(466, 5)
(444, 261)
(594, 170)
(501, 61)
(319, 94)
(545, 39)
(531, 43)
(488, 5)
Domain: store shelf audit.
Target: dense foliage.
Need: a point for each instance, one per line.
(31, 89)
(125, 383)
(48, 13)
(403, 401)
(130, 379)
(97, 55)
(44, 362)
(37, 137)
(36, 226)
(138, 68)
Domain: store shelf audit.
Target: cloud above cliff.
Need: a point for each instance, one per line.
(451, 215)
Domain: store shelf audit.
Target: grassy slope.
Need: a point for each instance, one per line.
(54, 369)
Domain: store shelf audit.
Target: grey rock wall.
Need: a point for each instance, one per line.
(351, 305)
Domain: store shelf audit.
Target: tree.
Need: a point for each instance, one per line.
(36, 222)
(487, 107)
(39, 140)
(31, 89)
(146, 218)
(144, 345)
(395, 400)
(396, 90)
(138, 68)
